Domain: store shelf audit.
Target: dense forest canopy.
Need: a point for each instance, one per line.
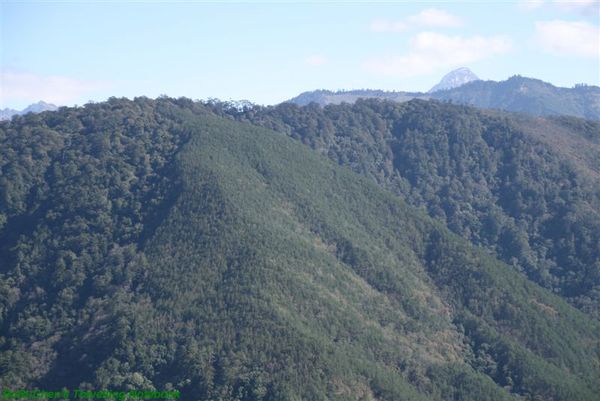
(525, 188)
(160, 244)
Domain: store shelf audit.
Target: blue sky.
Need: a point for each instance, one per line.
(71, 52)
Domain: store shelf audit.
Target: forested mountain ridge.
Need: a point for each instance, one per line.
(516, 94)
(526, 188)
(162, 246)
(528, 95)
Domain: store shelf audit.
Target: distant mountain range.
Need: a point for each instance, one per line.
(517, 94)
(6, 114)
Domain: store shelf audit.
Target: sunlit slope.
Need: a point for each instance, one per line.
(524, 188)
(347, 289)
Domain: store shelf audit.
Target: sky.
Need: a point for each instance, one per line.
(72, 52)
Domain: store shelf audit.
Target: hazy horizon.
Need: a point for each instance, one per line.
(75, 52)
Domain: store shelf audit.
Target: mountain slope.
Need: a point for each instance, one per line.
(229, 262)
(525, 188)
(527, 95)
(6, 114)
(325, 97)
(454, 79)
(516, 94)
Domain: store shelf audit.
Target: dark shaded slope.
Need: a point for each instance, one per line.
(78, 191)
(270, 273)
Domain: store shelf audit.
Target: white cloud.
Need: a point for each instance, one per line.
(530, 4)
(585, 7)
(433, 17)
(431, 51)
(316, 60)
(430, 17)
(18, 87)
(568, 38)
(388, 26)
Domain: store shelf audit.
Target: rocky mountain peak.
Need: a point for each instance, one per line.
(455, 79)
